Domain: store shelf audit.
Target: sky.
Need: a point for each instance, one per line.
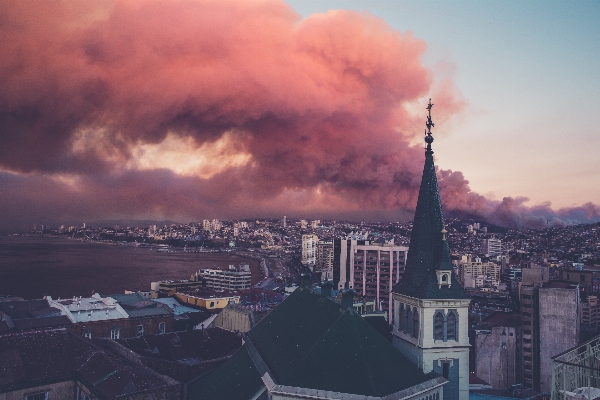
(191, 110)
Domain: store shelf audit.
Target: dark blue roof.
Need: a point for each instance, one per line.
(309, 342)
(428, 251)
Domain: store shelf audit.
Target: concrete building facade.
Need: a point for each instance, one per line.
(234, 278)
(497, 350)
(550, 324)
(473, 267)
(491, 247)
(309, 250)
(375, 269)
(342, 250)
(325, 260)
(559, 326)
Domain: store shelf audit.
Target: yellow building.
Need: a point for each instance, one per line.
(209, 300)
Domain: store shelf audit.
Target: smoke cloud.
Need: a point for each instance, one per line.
(227, 109)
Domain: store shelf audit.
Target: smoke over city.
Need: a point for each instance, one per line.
(222, 109)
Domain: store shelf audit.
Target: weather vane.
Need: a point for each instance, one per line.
(429, 124)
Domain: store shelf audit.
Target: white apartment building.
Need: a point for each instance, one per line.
(231, 279)
(474, 267)
(375, 269)
(491, 247)
(309, 250)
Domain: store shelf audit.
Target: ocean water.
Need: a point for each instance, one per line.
(32, 267)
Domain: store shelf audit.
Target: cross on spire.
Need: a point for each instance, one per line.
(429, 124)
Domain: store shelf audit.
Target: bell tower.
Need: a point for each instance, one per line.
(430, 306)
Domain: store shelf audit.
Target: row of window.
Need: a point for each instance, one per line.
(115, 333)
(408, 320)
(445, 325)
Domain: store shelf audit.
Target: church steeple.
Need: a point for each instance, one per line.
(428, 250)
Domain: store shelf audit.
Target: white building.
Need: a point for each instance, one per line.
(234, 278)
(474, 267)
(491, 247)
(375, 269)
(309, 250)
(89, 309)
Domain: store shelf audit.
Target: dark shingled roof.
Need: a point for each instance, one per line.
(427, 251)
(201, 345)
(20, 309)
(32, 358)
(237, 379)
(309, 342)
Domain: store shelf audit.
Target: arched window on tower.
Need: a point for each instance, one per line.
(438, 326)
(401, 320)
(409, 320)
(415, 324)
(451, 326)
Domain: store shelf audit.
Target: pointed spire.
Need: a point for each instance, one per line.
(428, 251)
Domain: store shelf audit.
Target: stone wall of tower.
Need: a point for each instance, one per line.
(430, 354)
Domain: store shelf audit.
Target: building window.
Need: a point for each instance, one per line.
(87, 334)
(409, 320)
(37, 396)
(161, 327)
(415, 324)
(445, 369)
(438, 326)
(140, 330)
(115, 333)
(451, 326)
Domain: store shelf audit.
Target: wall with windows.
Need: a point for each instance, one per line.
(434, 333)
(124, 328)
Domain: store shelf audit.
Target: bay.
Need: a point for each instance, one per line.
(32, 267)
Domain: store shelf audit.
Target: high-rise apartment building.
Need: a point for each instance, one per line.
(550, 324)
(234, 278)
(375, 269)
(309, 250)
(491, 247)
(589, 311)
(325, 260)
(215, 225)
(341, 260)
(497, 350)
(474, 267)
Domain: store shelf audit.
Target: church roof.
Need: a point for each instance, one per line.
(428, 249)
(309, 342)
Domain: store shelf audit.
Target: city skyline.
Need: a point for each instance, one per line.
(229, 110)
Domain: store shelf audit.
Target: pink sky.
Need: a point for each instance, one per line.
(222, 109)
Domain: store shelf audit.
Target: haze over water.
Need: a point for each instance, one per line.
(31, 267)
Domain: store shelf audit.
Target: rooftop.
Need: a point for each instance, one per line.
(197, 345)
(308, 341)
(56, 355)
